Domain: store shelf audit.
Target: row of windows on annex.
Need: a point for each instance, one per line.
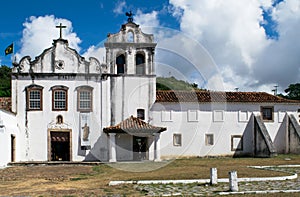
(236, 141)
(267, 114)
(34, 98)
(140, 66)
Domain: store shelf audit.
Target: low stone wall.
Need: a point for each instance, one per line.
(5, 103)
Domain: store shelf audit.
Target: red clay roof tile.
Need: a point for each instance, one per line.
(133, 126)
(210, 96)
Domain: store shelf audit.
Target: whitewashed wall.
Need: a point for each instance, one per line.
(8, 127)
(221, 120)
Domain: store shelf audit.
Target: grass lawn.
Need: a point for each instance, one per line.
(93, 180)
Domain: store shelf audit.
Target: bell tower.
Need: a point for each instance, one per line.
(130, 51)
(130, 62)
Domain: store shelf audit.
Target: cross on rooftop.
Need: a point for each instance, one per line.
(60, 26)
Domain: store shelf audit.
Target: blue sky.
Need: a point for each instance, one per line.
(253, 45)
(91, 21)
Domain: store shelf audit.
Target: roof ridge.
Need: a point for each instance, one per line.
(219, 96)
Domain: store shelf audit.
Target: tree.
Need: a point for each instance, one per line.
(293, 91)
(5, 84)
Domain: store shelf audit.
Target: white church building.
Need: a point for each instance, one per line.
(67, 108)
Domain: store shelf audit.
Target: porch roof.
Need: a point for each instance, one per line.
(134, 126)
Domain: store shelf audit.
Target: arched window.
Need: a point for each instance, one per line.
(59, 119)
(120, 61)
(140, 64)
(130, 37)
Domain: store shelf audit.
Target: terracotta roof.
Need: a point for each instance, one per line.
(134, 126)
(210, 96)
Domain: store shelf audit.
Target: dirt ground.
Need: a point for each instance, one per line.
(88, 180)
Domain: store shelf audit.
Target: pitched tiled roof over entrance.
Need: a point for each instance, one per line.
(134, 126)
(210, 96)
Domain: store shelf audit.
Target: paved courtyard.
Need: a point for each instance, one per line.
(203, 189)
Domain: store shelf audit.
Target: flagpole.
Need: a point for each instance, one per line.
(13, 54)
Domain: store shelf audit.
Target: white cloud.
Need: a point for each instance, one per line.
(39, 32)
(97, 52)
(146, 19)
(179, 55)
(231, 31)
(119, 7)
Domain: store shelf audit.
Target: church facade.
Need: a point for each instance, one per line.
(67, 108)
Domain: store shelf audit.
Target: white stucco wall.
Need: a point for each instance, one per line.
(35, 135)
(236, 122)
(8, 127)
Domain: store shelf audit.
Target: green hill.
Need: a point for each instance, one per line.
(171, 83)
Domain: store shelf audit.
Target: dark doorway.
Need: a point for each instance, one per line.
(13, 148)
(139, 148)
(60, 146)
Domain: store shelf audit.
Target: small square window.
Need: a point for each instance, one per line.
(267, 113)
(218, 115)
(192, 115)
(236, 143)
(177, 140)
(243, 116)
(166, 116)
(209, 139)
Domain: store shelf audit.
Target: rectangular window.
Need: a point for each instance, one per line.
(267, 113)
(192, 115)
(34, 99)
(141, 114)
(209, 139)
(85, 100)
(177, 140)
(166, 116)
(218, 115)
(236, 143)
(243, 116)
(59, 99)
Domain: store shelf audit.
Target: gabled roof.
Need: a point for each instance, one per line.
(170, 96)
(134, 126)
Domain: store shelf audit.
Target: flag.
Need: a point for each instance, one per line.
(9, 49)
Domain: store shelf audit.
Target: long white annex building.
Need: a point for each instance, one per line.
(67, 108)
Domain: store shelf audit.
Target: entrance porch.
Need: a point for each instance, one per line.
(134, 140)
